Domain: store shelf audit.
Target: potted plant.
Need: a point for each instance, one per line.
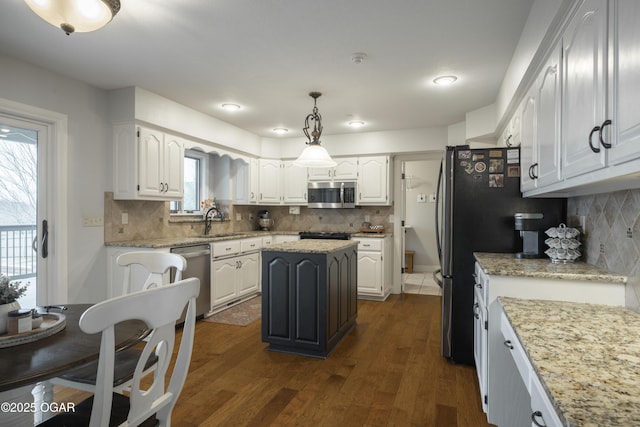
(9, 294)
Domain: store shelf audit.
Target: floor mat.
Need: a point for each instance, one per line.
(242, 314)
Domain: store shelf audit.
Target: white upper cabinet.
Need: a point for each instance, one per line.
(281, 182)
(528, 146)
(584, 45)
(247, 182)
(374, 177)
(547, 137)
(148, 164)
(270, 186)
(294, 184)
(345, 170)
(625, 87)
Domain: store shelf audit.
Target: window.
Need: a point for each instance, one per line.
(195, 166)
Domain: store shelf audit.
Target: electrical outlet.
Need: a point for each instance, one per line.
(421, 198)
(630, 233)
(432, 198)
(367, 218)
(602, 248)
(125, 218)
(238, 217)
(92, 221)
(294, 210)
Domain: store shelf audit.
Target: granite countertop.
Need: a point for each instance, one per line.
(587, 357)
(318, 246)
(168, 242)
(508, 265)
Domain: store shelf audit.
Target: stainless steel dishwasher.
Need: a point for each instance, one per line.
(198, 265)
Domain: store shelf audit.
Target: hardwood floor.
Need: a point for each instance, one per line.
(387, 372)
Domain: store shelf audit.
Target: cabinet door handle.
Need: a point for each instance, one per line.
(166, 187)
(594, 130)
(252, 195)
(535, 416)
(602, 126)
(508, 344)
(507, 142)
(476, 306)
(479, 285)
(532, 174)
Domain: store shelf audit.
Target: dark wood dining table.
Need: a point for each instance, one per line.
(46, 358)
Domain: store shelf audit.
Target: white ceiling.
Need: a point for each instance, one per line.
(267, 55)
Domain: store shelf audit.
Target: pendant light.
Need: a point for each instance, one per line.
(76, 15)
(314, 155)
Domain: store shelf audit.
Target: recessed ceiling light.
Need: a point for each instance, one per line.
(5, 130)
(356, 123)
(3, 136)
(445, 80)
(231, 107)
(280, 131)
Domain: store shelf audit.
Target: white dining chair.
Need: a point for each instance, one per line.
(160, 308)
(156, 265)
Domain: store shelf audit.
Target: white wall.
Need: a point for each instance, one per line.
(363, 143)
(89, 163)
(421, 178)
(542, 17)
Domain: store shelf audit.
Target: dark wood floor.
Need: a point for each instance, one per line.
(387, 372)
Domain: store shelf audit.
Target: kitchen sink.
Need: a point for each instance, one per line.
(214, 235)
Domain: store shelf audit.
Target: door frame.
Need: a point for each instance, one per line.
(56, 124)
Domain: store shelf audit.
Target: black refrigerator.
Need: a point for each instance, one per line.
(478, 195)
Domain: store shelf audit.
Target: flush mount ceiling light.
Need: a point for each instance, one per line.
(445, 80)
(76, 15)
(230, 107)
(356, 123)
(280, 131)
(314, 155)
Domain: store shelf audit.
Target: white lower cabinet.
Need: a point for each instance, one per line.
(374, 267)
(542, 412)
(235, 271)
(502, 372)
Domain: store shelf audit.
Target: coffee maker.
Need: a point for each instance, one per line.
(529, 225)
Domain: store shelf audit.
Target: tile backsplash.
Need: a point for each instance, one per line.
(612, 229)
(148, 219)
(612, 235)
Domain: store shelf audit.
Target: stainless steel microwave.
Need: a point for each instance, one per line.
(332, 194)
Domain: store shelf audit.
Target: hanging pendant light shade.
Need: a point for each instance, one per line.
(314, 155)
(76, 15)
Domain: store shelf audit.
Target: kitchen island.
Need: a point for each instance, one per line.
(309, 295)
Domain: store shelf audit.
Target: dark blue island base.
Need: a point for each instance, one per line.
(309, 296)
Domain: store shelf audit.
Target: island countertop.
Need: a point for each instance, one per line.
(508, 265)
(318, 246)
(586, 355)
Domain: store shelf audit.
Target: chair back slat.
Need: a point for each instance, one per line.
(155, 264)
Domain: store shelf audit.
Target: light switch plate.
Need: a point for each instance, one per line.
(92, 220)
(421, 198)
(294, 210)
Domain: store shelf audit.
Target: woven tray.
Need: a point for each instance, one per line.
(51, 323)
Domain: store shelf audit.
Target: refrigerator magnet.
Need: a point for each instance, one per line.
(480, 167)
(496, 180)
(513, 156)
(513, 171)
(464, 155)
(496, 165)
(477, 157)
(495, 153)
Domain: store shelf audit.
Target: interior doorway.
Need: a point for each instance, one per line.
(420, 185)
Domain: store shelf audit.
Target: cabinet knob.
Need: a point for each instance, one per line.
(534, 419)
(508, 344)
(479, 285)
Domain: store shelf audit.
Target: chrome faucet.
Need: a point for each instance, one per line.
(208, 217)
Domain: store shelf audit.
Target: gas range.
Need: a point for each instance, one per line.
(335, 235)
